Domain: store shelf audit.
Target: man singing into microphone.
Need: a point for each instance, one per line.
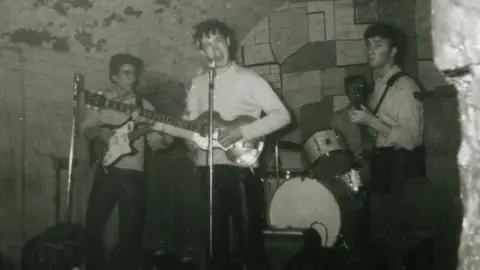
(238, 91)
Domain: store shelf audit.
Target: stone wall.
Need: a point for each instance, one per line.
(457, 54)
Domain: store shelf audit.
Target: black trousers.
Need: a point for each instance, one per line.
(127, 188)
(234, 196)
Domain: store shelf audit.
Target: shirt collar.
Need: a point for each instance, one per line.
(384, 79)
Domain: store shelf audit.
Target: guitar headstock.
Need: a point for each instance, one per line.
(95, 100)
(358, 92)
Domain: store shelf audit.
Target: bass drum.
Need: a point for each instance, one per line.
(303, 202)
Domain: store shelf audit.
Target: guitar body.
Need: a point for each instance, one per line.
(120, 144)
(242, 149)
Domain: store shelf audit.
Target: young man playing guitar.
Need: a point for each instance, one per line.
(395, 116)
(238, 92)
(122, 182)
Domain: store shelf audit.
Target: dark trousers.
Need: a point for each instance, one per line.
(232, 198)
(399, 203)
(127, 188)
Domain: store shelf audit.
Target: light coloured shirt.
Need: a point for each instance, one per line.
(350, 131)
(400, 110)
(238, 91)
(94, 118)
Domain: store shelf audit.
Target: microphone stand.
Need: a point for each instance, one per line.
(211, 87)
(77, 87)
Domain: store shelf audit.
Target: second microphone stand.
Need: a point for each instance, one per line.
(211, 87)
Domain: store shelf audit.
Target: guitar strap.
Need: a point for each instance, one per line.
(368, 139)
(391, 81)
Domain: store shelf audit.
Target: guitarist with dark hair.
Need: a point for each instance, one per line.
(121, 179)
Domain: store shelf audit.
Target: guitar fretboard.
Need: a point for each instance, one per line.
(166, 119)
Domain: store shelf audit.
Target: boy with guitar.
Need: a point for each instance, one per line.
(238, 92)
(122, 181)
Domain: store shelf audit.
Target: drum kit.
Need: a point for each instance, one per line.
(321, 196)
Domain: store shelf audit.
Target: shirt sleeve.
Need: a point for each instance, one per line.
(90, 119)
(277, 115)
(406, 130)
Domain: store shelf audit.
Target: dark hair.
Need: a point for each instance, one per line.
(61, 247)
(118, 60)
(212, 27)
(395, 37)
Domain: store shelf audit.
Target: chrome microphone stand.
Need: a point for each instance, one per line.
(77, 87)
(211, 87)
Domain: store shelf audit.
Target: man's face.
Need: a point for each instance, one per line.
(379, 52)
(126, 77)
(215, 48)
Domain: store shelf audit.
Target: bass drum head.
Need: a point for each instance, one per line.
(301, 203)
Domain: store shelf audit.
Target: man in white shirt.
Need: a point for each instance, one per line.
(395, 117)
(238, 91)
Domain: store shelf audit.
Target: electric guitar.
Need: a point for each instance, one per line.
(358, 98)
(243, 153)
(120, 144)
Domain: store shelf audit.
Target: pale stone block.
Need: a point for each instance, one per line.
(261, 70)
(283, 7)
(249, 39)
(316, 27)
(345, 28)
(332, 81)
(274, 69)
(429, 75)
(276, 86)
(298, 5)
(263, 25)
(262, 37)
(302, 80)
(327, 8)
(288, 32)
(340, 102)
(257, 54)
(351, 52)
(272, 78)
(299, 97)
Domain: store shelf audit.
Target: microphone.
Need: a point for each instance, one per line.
(212, 72)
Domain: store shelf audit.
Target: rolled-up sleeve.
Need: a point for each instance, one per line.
(277, 115)
(407, 129)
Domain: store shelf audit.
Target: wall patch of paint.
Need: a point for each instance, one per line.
(62, 6)
(130, 11)
(86, 40)
(38, 39)
(114, 17)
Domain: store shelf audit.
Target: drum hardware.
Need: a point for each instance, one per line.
(351, 179)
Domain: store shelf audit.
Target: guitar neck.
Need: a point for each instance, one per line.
(164, 123)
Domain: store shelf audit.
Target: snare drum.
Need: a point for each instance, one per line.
(304, 202)
(327, 154)
(323, 143)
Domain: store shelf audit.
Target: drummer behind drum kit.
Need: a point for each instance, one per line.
(320, 196)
